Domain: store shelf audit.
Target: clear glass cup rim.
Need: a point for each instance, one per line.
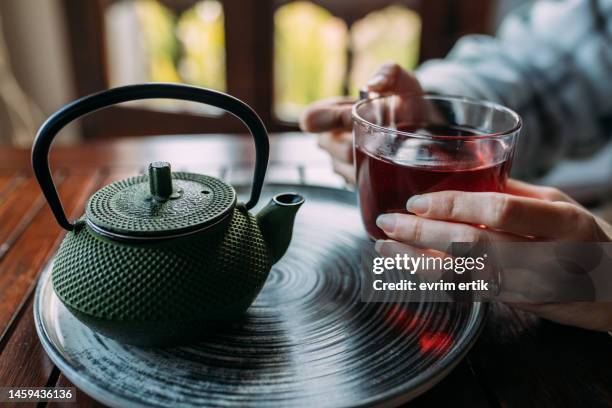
(518, 123)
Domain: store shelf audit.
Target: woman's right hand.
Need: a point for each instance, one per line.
(331, 118)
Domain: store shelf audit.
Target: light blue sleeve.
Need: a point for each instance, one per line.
(551, 62)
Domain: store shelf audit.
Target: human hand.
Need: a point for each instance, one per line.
(331, 118)
(524, 213)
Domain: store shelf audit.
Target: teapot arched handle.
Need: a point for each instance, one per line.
(91, 103)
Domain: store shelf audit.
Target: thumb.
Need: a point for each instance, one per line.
(392, 78)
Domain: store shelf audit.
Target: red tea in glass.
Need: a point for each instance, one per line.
(413, 145)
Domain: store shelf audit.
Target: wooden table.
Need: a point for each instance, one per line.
(519, 360)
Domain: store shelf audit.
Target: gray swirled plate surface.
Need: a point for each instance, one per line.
(307, 340)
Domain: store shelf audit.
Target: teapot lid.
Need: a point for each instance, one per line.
(161, 204)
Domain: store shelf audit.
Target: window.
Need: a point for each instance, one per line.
(311, 50)
(148, 42)
(310, 57)
(276, 55)
(390, 34)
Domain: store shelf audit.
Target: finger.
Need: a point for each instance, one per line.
(503, 212)
(434, 234)
(338, 144)
(523, 189)
(327, 115)
(391, 77)
(346, 170)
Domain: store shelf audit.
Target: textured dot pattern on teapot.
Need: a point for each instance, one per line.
(187, 278)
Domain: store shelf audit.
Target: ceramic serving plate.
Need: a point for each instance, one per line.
(307, 340)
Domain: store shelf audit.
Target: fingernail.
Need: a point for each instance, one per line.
(386, 222)
(377, 81)
(385, 247)
(418, 204)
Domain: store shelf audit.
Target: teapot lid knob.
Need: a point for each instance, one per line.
(160, 180)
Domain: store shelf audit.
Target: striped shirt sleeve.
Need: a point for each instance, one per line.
(552, 63)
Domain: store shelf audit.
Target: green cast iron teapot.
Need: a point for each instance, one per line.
(160, 259)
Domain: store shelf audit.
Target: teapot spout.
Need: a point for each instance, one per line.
(276, 222)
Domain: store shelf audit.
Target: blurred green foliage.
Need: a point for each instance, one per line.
(311, 48)
(390, 34)
(202, 36)
(157, 36)
(189, 48)
(310, 57)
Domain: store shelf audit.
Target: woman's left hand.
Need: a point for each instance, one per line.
(524, 212)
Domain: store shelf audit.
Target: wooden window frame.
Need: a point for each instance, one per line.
(249, 37)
